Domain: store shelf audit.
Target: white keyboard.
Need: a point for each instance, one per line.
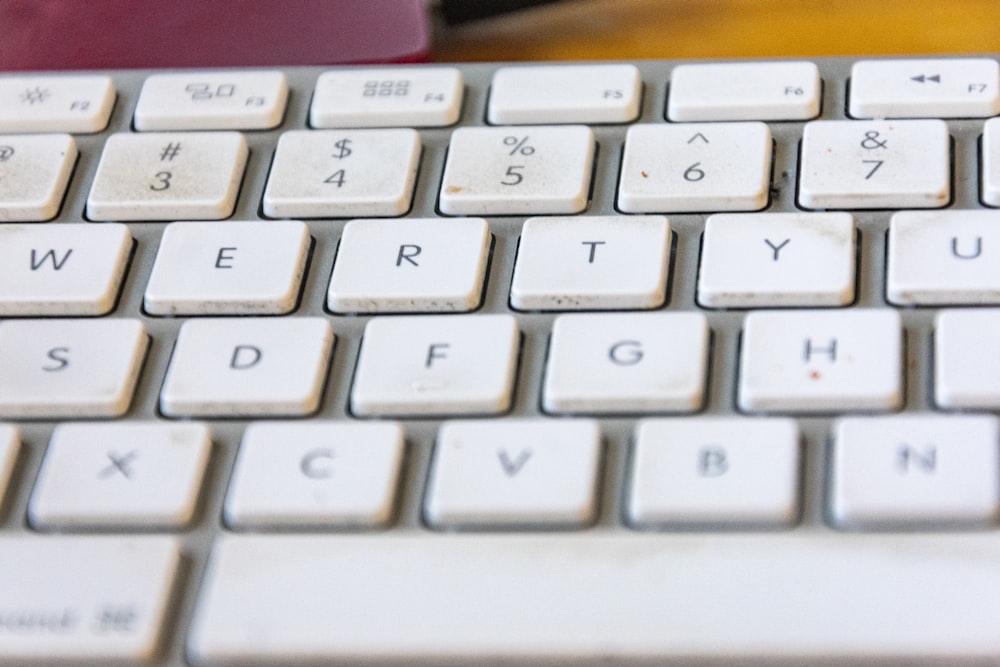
(654, 363)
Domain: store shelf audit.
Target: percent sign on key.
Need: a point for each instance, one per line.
(519, 145)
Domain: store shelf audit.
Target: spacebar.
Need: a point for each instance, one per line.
(436, 599)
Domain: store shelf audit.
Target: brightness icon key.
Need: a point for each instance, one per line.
(175, 176)
(79, 104)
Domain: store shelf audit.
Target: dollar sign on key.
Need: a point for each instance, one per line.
(343, 148)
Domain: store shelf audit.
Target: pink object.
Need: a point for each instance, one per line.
(121, 34)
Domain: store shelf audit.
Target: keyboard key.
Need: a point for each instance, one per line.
(666, 586)
(715, 472)
(565, 94)
(514, 474)
(915, 471)
(777, 259)
(744, 91)
(64, 269)
(507, 171)
(943, 257)
(9, 445)
(599, 262)
(427, 365)
(243, 100)
(69, 368)
(178, 176)
(247, 367)
(34, 173)
(966, 374)
(821, 361)
(672, 168)
(240, 268)
(96, 600)
(941, 88)
(71, 103)
(627, 362)
(342, 174)
(875, 164)
(990, 152)
(315, 475)
(387, 97)
(427, 264)
(136, 475)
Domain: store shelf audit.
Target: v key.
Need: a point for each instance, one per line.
(517, 473)
(513, 466)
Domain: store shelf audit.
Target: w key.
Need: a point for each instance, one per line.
(66, 269)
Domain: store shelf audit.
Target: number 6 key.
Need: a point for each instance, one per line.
(695, 167)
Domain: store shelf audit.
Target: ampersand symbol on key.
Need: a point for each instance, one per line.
(871, 141)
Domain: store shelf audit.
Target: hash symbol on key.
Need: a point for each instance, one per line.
(170, 151)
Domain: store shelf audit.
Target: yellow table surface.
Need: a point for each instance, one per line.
(635, 29)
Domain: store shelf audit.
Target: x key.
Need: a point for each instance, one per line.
(159, 494)
(119, 464)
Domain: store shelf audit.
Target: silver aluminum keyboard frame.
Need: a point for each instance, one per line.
(535, 327)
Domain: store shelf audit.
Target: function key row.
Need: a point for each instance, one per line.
(553, 94)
